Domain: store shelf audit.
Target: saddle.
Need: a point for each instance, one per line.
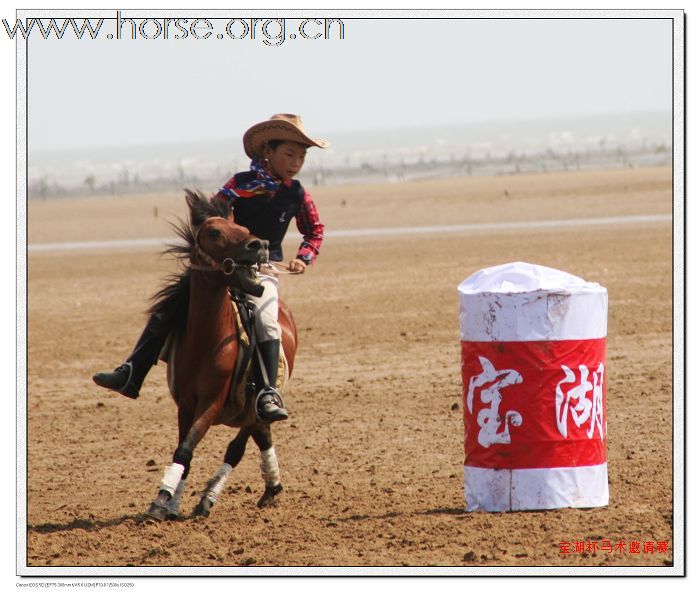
(245, 315)
(241, 397)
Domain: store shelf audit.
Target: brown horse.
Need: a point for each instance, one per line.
(222, 255)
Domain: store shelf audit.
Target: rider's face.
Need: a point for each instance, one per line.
(286, 160)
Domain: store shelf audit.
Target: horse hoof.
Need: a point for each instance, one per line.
(157, 512)
(203, 508)
(268, 497)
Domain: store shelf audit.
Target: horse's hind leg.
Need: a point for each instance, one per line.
(215, 486)
(268, 465)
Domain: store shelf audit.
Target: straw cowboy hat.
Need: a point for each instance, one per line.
(281, 126)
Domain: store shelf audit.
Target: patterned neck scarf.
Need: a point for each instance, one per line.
(264, 183)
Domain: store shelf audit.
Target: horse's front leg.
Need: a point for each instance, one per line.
(269, 468)
(166, 504)
(215, 486)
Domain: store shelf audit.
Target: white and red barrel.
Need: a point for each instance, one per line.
(534, 389)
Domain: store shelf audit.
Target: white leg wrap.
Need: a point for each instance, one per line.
(174, 503)
(217, 482)
(179, 491)
(171, 478)
(269, 467)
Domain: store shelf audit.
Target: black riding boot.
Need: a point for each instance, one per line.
(128, 377)
(269, 405)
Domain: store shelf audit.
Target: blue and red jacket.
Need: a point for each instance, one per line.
(267, 215)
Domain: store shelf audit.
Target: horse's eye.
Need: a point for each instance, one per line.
(213, 234)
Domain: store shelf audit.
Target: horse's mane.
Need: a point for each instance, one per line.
(169, 304)
(201, 209)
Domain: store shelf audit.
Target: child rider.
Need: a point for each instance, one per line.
(263, 199)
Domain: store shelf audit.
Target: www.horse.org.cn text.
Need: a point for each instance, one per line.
(270, 31)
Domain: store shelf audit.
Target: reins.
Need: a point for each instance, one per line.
(279, 268)
(228, 265)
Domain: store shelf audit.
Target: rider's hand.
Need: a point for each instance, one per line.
(297, 266)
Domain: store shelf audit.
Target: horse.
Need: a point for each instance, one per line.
(218, 255)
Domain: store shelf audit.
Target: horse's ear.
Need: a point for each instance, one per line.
(190, 198)
(224, 209)
(221, 208)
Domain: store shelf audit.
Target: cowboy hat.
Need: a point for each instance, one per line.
(281, 126)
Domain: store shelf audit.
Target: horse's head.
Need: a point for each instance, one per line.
(221, 246)
(230, 249)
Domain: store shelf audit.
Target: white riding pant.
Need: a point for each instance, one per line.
(266, 309)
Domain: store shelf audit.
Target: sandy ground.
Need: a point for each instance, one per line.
(371, 458)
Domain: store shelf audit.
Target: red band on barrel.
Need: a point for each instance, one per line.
(534, 404)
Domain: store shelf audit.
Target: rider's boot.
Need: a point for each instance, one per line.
(128, 377)
(269, 405)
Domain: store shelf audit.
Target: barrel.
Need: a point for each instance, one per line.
(533, 354)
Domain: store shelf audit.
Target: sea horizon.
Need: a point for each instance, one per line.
(392, 154)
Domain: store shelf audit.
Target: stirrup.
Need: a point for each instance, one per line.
(272, 396)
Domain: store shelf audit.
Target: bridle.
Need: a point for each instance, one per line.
(227, 265)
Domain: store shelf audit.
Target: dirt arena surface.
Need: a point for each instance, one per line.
(371, 458)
